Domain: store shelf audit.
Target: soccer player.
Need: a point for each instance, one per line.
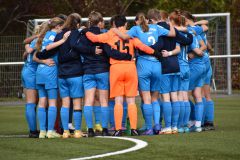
(123, 74)
(178, 21)
(208, 116)
(96, 77)
(28, 76)
(197, 69)
(46, 79)
(148, 67)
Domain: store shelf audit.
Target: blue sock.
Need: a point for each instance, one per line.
(167, 113)
(111, 113)
(88, 116)
(97, 114)
(187, 113)
(124, 114)
(105, 116)
(156, 112)
(141, 106)
(77, 116)
(64, 117)
(148, 114)
(52, 115)
(175, 113)
(181, 114)
(198, 113)
(210, 111)
(42, 115)
(31, 116)
(204, 109)
(192, 113)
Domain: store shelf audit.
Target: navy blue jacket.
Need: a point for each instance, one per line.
(171, 64)
(68, 66)
(70, 63)
(92, 63)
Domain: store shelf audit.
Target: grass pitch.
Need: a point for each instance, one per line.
(224, 143)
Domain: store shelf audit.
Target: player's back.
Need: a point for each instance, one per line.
(124, 46)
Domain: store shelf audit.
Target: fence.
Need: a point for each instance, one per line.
(11, 50)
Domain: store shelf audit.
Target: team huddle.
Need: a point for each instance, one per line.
(72, 71)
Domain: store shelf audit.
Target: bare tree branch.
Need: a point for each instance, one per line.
(126, 6)
(69, 5)
(10, 19)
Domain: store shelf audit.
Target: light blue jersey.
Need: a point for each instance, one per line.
(184, 69)
(182, 56)
(28, 74)
(47, 75)
(149, 38)
(206, 54)
(197, 67)
(206, 60)
(29, 61)
(198, 30)
(195, 44)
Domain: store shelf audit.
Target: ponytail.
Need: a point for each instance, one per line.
(143, 22)
(188, 15)
(52, 23)
(41, 36)
(72, 21)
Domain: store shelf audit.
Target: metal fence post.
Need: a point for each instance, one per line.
(229, 65)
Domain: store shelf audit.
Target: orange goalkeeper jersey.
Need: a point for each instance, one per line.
(124, 46)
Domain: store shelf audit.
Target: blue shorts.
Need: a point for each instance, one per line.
(49, 93)
(99, 81)
(47, 75)
(197, 71)
(184, 78)
(149, 75)
(208, 73)
(28, 78)
(169, 83)
(71, 87)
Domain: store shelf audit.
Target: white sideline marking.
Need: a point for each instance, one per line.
(13, 136)
(139, 145)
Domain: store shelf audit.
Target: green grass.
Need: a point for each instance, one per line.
(224, 143)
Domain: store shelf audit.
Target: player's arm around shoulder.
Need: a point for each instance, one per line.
(141, 46)
(101, 38)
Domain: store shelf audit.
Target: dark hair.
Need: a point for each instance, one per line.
(72, 21)
(94, 18)
(142, 18)
(112, 20)
(177, 17)
(120, 20)
(188, 15)
(154, 14)
(62, 16)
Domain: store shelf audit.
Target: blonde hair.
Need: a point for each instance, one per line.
(143, 21)
(164, 15)
(154, 14)
(94, 18)
(52, 23)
